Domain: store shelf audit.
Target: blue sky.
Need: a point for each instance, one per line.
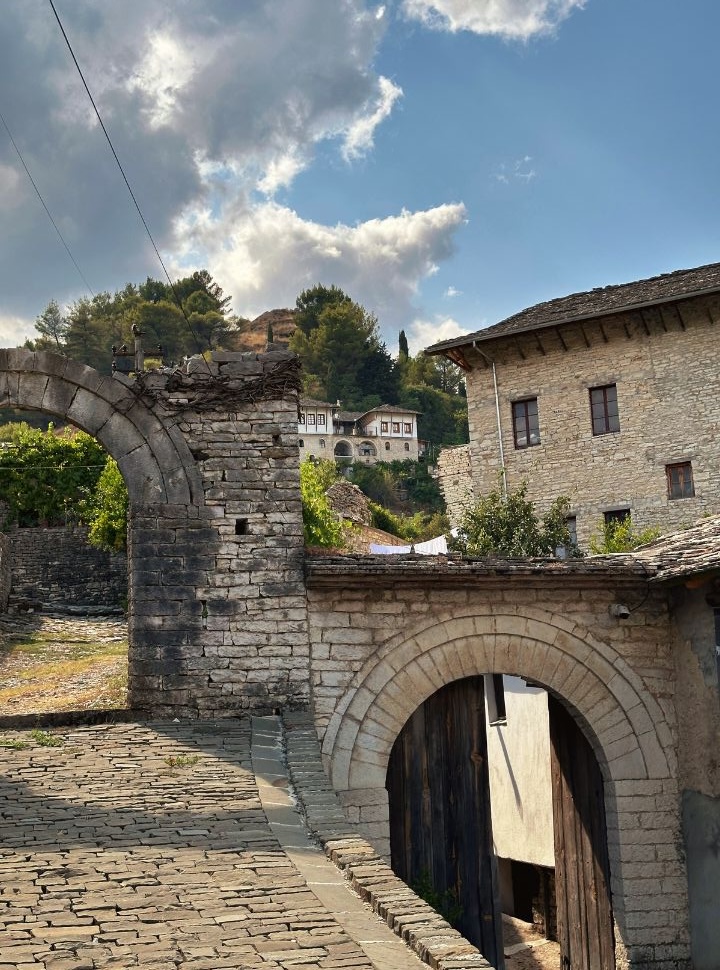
(446, 162)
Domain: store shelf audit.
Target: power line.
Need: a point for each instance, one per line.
(49, 214)
(122, 172)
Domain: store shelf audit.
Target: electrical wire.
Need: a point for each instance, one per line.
(125, 178)
(49, 214)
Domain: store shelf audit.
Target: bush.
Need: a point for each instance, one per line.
(620, 536)
(508, 526)
(321, 526)
(107, 510)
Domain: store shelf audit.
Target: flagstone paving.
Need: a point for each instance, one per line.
(164, 845)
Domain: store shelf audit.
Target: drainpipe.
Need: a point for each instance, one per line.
(497, 415)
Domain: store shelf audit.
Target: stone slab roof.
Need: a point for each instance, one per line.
(599, 302)
(690, 552)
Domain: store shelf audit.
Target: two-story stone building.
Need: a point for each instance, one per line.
(385, 433)
(611, 397)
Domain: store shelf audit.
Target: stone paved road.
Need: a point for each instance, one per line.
(153, 846)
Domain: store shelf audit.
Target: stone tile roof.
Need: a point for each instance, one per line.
(690, 552)
(394, 408)
(598, 302)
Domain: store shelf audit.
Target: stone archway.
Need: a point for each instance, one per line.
(209, 455)
(625, 725)
(155, 460)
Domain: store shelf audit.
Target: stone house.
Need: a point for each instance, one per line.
(385, 433)
(611, 397)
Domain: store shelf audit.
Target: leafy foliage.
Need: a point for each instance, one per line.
(418, 527)
(107, 510)
(508, 526)
(90, 327)
(397, 484)
(46, 476)
(320, 524)
(620, 536)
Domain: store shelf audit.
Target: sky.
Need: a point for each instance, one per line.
(445, 162)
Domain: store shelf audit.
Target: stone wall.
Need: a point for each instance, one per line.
(385, 636)
(218, 620)
(455, 480)
(57, 567)
(5, 571)
(664, 362)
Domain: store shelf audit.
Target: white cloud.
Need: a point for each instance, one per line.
(14, 330)
(266, 254)
(511, 19)
(520, 170)
(424, 333)
(451, 292)
(359, 136)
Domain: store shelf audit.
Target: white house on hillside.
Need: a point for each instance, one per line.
(385, 433)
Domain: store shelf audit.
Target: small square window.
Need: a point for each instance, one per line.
(384, 427)
(396, 427)
(311, 419)
(407, 428)
(604, 409)
(321, 420)
(616, 516)
(526, 423)
(680, 480)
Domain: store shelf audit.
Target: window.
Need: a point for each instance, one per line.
(302, 417)
(387, 446)
(616, 516)
(680, 480)
(367, 450)
(604, 409)
(321, 420)
(301, 443)
(311, 419)
(407, 446)
(562, 552)
(526, 424)
(396, 427)
(322, 442)
(384, 427)
(407, 427)
(495, 694)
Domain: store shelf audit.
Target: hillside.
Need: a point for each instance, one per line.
(254, 332)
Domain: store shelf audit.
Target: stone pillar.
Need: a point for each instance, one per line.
(218, 620)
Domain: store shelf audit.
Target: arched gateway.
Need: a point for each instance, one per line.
(210, 461)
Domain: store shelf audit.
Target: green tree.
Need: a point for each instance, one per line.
(321, 526)
(508, 526)
(310, 304)
(107, 510)
(403, 350)
(47, 476)
(52, 328)
(620, 536)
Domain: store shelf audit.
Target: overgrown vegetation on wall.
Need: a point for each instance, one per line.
(321, 526)
(620, 536)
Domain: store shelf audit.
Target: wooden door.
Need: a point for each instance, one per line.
(582, 879)
(440, 833)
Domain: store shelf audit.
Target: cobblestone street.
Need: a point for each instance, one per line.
(170, 845)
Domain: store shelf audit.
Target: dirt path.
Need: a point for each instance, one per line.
(52, 663)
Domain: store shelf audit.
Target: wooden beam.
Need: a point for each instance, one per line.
(626, 328)
(458, 357)
(585, 336)
(662, 319)
(644, 322)
(519, 349)
(680, 317)
(539, 343)
(560, 337)
(602, 331)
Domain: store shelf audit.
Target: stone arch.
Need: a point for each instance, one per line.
(624, 723)
(153, 457)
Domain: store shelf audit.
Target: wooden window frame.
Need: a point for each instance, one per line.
(321, 420)
(607, 420)
(384, 427)
(680, 483)
(407, 427)
(521, 412)
(396, 427)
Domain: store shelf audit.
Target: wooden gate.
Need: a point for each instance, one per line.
(440, 833)
(582, 880)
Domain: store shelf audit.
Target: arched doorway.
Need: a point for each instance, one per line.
(343, 449)
(441, 832)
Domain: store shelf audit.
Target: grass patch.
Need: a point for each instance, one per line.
(46, 739)
(182, 760)
(15, 743)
